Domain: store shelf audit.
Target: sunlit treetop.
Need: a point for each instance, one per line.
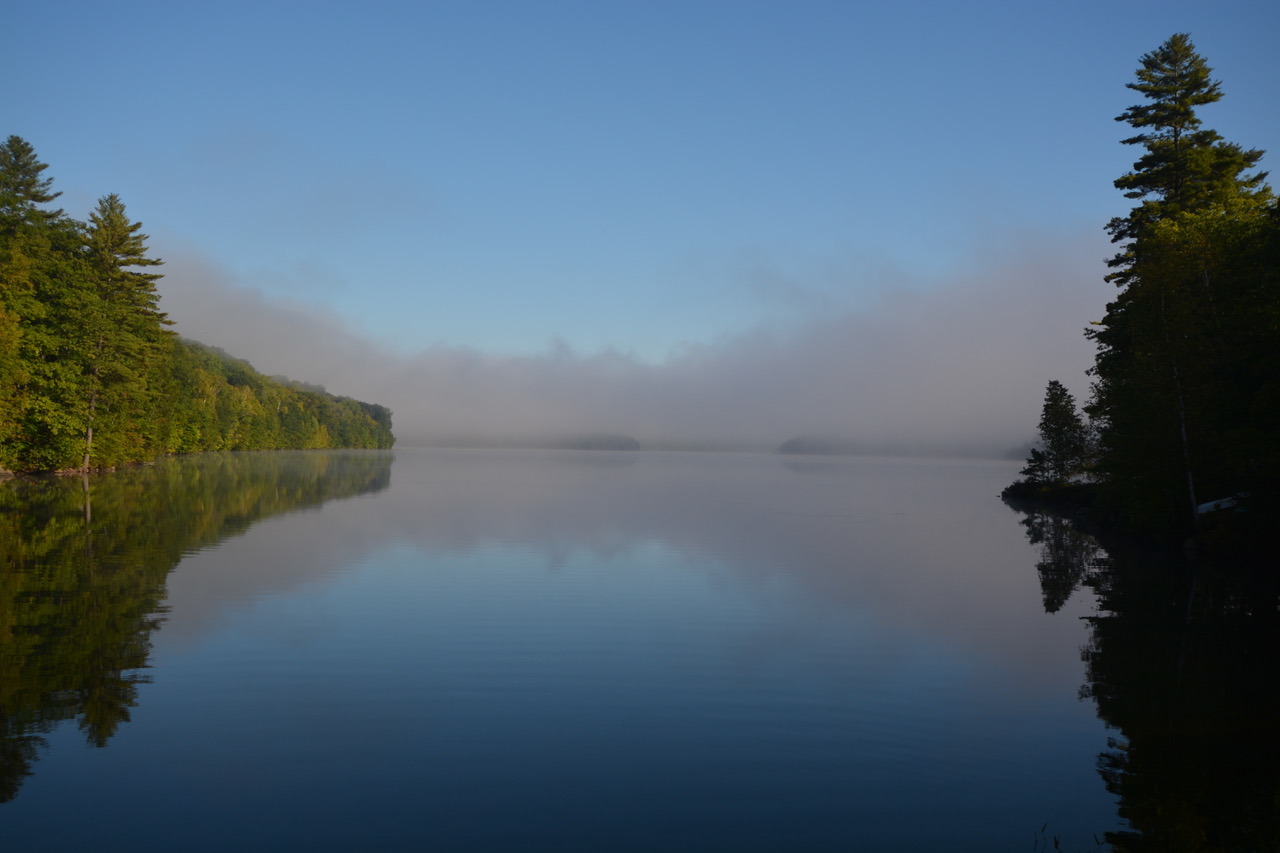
(1185, 167)
(22, 186)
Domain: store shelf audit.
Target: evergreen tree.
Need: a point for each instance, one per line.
(90, 376)
(114, 245)
(121, 326)
(22, 187)
(1179, 376)
(1063, 439)
(1184, 167)
(39, 265)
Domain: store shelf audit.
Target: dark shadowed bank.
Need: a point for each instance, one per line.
(1183, 663)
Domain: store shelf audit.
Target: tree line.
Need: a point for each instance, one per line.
(1184, 407)
(90, 374)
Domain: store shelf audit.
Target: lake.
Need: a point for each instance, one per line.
(537, 650)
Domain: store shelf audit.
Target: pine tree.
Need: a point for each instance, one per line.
(121, 324)
(90, 376)
(1185, 167)
(22, 187)
(1063, 439)
(1176, 376)
(37, 260)
(114, 245)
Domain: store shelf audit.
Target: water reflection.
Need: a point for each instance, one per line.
(557, 651)
(1182, 661)
(913, 545)
(83, 565)
(1067, 556)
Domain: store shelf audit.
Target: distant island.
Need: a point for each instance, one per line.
(820, 447)
(600, 442)
(91, 376)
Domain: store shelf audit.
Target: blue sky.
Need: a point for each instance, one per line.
(642, 178)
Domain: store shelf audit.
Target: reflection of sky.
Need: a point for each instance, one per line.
(524, 651)
(921, 547)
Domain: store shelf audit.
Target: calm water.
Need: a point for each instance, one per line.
(465, 651)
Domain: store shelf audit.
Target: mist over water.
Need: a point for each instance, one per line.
(956, 366)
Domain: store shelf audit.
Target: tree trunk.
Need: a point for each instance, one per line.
(88, 429)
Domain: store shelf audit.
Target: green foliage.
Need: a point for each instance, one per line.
(23, 187)
(1186, 394)
(1184, 167)
(89, 375)
(120, 326)
(233, 407)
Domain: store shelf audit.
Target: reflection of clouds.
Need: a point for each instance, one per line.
(918, 547)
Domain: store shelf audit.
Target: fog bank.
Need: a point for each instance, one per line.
(958, 365)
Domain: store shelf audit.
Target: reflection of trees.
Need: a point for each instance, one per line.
(81, 590)
(1066, 556)
(1183, 661)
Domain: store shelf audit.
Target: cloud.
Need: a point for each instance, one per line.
(959, 364)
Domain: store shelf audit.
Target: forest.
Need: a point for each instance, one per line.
(1182, 428)
(91, 375)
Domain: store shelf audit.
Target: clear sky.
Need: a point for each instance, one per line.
(522, 180)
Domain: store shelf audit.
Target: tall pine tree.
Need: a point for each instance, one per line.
(1172, 383)
(39, 264)
(121, 326)
(1184, 167)
(23, 187)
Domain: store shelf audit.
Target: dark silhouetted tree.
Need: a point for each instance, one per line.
(1184, 167)
(1186, 352)
(1064, 439)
